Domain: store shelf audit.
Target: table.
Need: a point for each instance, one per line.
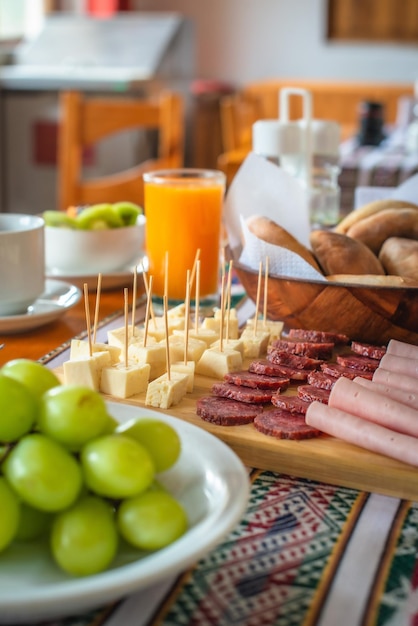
(304, 552)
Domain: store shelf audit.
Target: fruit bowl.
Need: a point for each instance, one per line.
(369, 313)
(78, 251)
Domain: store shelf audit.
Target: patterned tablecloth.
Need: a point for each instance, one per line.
(304, 553)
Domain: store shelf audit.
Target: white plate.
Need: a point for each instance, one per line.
(110, 280)
(208, 479)
(58, 297)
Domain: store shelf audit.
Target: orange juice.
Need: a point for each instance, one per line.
(183, 210)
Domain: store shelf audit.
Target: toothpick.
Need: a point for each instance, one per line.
(266, 278)
(228, 300)
(147, 291)
(192, 275)
(87, 312)
(96, 312)
(197, 303)
(147, 311)
(221, 326)
(126, 338)
(167, 344)
(187, 315)
(166, 273)
(134, 292)
(257, 304)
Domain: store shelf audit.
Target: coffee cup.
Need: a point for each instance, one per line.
(22, 262)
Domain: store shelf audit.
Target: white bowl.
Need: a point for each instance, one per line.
(70, 252)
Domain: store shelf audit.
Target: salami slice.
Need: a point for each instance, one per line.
(369, 350)
(257, 381)
(316, 350)
(358, 362)
(282, 424)
(319, 379)
(267, 368)
(281, 357)
(226, 412)
(301, 334)
(336, 370)
(309, 393)
(293, 404)
(242, 394)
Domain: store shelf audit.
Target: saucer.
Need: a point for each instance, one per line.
(110, 280)
(58, 297)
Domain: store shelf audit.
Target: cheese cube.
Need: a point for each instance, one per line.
(187, 368)
(214, 323)
(255, 343)
(177, 311)
(121, 381)
(235, 344)
(195, 348)
(163, 393)
(274, 328)
(154, 355)
(80, 347)
(116, 337)
(215, 363)
(86, 370)
(156, 328)
(202, 334)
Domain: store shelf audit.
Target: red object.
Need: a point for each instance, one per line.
(106, 8)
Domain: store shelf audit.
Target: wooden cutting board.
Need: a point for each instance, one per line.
(324, 458)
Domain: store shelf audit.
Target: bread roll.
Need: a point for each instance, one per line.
(375, 229)
(270, 232)
(373, 280)
(340, 254)
(370, 209)
(400, 256)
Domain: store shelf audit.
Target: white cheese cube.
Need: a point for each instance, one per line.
(163, 393)
(214, 324)
(156, 327)
(235, 344)
(215, 363)
(195, 348)
(86, 370)
(187, 368)
(116, 337)
(255, 343)
(80, 347)
(121, 381)
(274, 328)
(202, 334)
(154, 355)
(177, 311)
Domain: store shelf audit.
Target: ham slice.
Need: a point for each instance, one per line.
(400, 348)
(400, 364)
(362, 433)
(406, 397)
(369, 404)
(395, 379)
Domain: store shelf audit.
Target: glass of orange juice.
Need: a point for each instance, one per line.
(183, 210)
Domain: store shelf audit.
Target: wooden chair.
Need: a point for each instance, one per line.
(86, 120)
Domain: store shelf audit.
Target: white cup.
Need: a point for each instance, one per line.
(22, 262)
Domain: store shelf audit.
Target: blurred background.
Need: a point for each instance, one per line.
(205, 50)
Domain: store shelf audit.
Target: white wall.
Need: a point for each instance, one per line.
(245, 40)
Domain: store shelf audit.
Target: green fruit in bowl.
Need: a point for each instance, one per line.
(128, 211)
(59, 219)
(99, 216)
(95, 217)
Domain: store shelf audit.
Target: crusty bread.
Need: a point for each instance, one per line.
(339, 254)
(370, 209)
(400, 256)
(269, 231)
(373, 280)
(375, 229)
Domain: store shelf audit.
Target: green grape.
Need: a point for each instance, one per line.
(33, 523)
(18, 409)
(59, 219)
(9, 513)
(84, 538)
(43, 473)
(128, 212)
(151, 520)
(72, 415)
(115, 466)
(159, 438)
(99, 216)
(111, 426)
(33, 374)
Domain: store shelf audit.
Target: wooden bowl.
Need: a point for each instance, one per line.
(372, 314)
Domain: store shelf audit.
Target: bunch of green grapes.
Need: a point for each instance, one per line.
(69, 469)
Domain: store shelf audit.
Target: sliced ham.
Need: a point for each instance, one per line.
(369, 404)
(406, 397)
(362, 433)
(394, 379)
(400, 364)
(400, 348)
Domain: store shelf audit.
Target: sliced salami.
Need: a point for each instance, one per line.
(369, 350)
(281, 357)
(317, 378)
(267, 368)
(282, 424)
(226, 412)
(336, 370)
(257, 381)
(293, 404)
(316, 350)
(309, 393)
(242, 394)
(355, 361)
(320, 336)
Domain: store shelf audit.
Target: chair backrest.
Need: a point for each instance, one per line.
(86, 120)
